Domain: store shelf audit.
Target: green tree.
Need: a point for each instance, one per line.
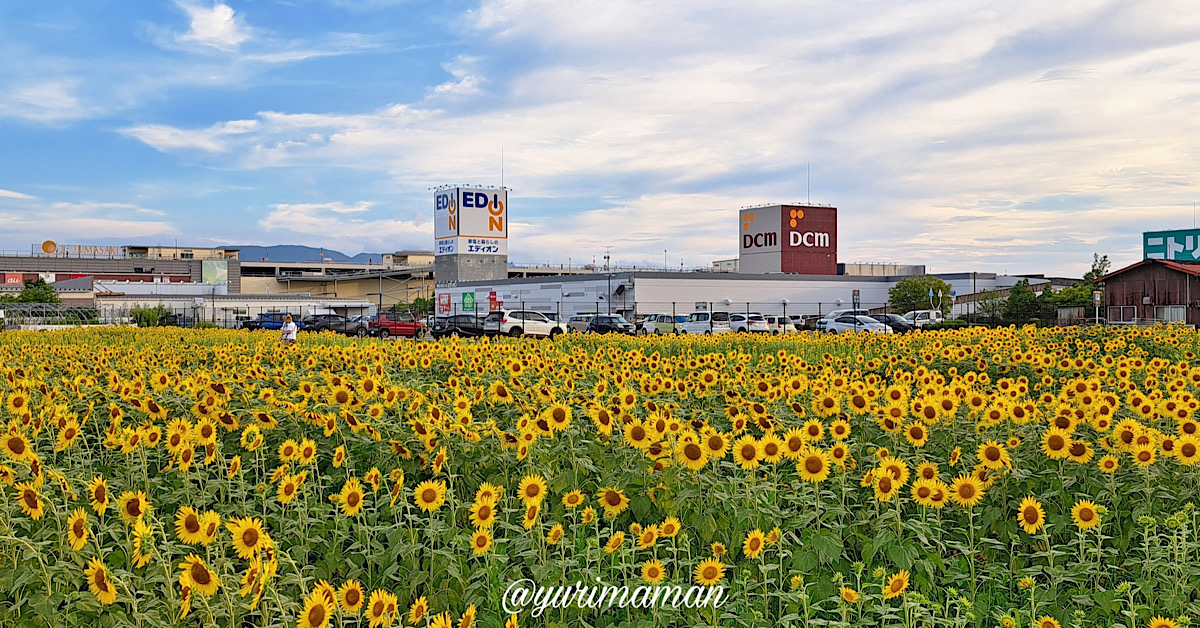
(1022, 305)
(35, 291)
(1100, 266)
(991, 305)
(912, 293)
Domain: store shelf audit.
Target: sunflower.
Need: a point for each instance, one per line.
(468, 617)
(188, 526)
(307, 452)
(289, 487)
(100, 583)
(483, 514)
(715, 443)
(442, 620)
(814, 467)
(132, 505)
(316, 611)
(67, 435)
(1030, 515)
(555, 534)
(1056, 444)
(993, 455)
(532, 489)
(430, 495)
(1086, 514)
(339, 456)
(669, 527)
(351, 597)
(966, 491)
(613, 500)
(98, 492)
(746, 452)
(377, 608)
(916, 434)
(143, 537)
(248, 536)
(352, 496)
(886, 487)
(77, 531)
(30, 501)
(1187, 450)
(653, 572)
(481, 541)
(614, 542)
(572, 499)
(417, 610)
(16, 445)
(895, 585)
(1046, 621)
(709, 572)
(752, 547)
(1163, 622)
(197, 576)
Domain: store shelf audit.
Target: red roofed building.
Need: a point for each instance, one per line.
(1153, 290)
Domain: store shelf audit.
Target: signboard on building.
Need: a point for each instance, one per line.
(493, 302)
(13, 279)
(214, 271)
(468, 302)
(1180, 244)
(444, 302)
(788, 239)
(49, 247)
(470, 221)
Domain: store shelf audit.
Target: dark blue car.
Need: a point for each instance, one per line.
(272, 321)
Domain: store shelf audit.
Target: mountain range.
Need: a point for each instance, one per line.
(298, 253)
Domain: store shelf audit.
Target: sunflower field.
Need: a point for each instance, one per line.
(1007, 477)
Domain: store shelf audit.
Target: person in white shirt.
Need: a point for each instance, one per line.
(288, 331)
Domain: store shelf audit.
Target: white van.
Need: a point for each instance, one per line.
(705, 323)
(921, 318)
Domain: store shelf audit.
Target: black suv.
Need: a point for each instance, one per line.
(898, 323)
(457, 325)
(336, 322)
(610, 325)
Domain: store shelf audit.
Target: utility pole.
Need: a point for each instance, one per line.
(608, 275)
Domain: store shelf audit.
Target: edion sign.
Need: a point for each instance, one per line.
(788, 239)
(460, 214)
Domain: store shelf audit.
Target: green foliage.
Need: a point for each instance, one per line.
(950, 323)
(35, 291)
(1022, 305)
(912, 293)
(419, 307)
(1100, 268)
(149, 316)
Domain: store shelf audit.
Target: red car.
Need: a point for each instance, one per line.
(388, 324)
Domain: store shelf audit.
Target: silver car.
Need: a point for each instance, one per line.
(579, 324)
(852, 323)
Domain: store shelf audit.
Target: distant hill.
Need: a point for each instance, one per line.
(296, 253)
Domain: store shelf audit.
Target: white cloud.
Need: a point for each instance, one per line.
(11, 194)
(88, 222)
(45, 101)
(948, 133)
(214, 139)
(214, 27)
(341, 226)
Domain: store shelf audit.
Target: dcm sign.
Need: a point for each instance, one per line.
(788, 239)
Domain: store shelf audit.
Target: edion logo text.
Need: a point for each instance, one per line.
(448, 203)
(494, 206)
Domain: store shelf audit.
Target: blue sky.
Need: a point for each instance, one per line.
(964, 134)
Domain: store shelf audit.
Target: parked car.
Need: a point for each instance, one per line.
(272, 321)
(388, 324)
(705, 323)
(579, 324)
(820, 324)
(667, 324)
(853, 323)
(647, 324)
(780, 324)
(805, 321)
(521, 323)
(336, 322)
(898, 323)
(921, 318)
(610, 325)
(748, 323)
(467, 325)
